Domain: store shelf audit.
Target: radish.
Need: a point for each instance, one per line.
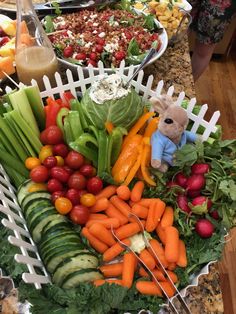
(204, 228)
(200, 168)
(214, 214)
(182, 202)
(181, 179)
(193, 193)
(196, 182)
(200, 200)
(171, 184)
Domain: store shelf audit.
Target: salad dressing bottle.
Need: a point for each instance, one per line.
(34, 53)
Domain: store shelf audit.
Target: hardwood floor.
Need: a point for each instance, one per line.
(217, 88)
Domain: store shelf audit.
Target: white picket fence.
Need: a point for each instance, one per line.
(15, 221)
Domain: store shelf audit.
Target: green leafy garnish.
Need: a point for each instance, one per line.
(49, 27)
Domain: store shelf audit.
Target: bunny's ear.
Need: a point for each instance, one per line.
(161, 103)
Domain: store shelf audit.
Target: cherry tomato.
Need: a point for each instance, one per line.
(4, 40)
(92, 62)
(53, 135)
(50, 162)
(54, 185)
(60, 161)
(128, 35)
(79, 214)
(68, 52)
(119, 55)
(45, 152)
(88, 171)
(74, 196)
(99, 48)
(94, 185)
(93, 56)
(37, 187)
(32, 162)
(82, 192)
(43, 136)
(100, 41)
(63, 205)
(74, 160)
(88, 200)
(77, 181)
(57, 194)
(60, 150)
(68, 169)
(81, 56)
(60, 174)
(39, 174)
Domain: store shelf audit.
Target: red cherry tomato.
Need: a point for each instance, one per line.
(119, 55)
(87, 171)
(68, 52)
(60, 174)
(74, 160)
(79, 214)
(94, 185)
(57, 194)
(68, 169)
(60, 150)
(99, 48)
(52, 135)
(100, 41)
(82, 192)
(39, 174)
(93, 56)
(74, 196)
(81, 56)
(50, 162)
(43, 136)
(54, 185)
(77, 181)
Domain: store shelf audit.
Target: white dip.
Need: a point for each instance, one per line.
(108, 88)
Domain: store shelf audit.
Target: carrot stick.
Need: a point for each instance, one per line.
(107, 192)
(114, 251)
(172, 276)
(97, 217)
(156, 272)
(168, 288)
(137, 191)
(148, 287)
(171, 266)
(100, 205)
(172, 244)
(123, 192)
(93, 241)
(182, 260)
(123, 207)
(129, 265)
(112, 270)
(159, 251)
(161, 233)
(113, 212)
(101, 233)
(140, 211)
(168, 217)
(147, 258)
(127, 230)
(107, 223)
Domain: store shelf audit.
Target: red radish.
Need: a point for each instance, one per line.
(200, 168)
(182, 202)
(204, 228)
(214, 214)
(193, 193)
(200, 200)
(196, 182)
(171, 184)
(181, 179)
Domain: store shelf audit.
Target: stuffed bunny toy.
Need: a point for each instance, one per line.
(171, 133)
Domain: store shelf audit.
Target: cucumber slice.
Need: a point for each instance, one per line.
(55, 237)
(38, 226)
(34, 197)
(37, 218)
(55, 224)
(74, 279)
(23, 190)
(36, 207)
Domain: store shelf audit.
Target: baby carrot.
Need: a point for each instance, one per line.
(123, 192)
(127, 230)
(155, 212)
(168, 288)
(114, 281)
(113, 212)
(182, 260)
(100, 282)
(161, 233)
(114, 251)
(147, 258)
(172, 244)
(129, 265)
(107, 192)
(145, 202)
(93, 241)
(123, 207)
(168, 217)
(140, 211)
(137, 191)
(101, 233)
(107, 223)
(159, 251)
(100, 205)
(156, 272)
(148, 287)
(172, 276)
(171, 266)
(112, 270)
(97, 217)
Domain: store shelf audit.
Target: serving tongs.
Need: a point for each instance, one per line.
(178, 296)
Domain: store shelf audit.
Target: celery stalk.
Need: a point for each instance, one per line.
(14, 163)
(20, 102)
(36, 104)
(16, 178)
(7, 145)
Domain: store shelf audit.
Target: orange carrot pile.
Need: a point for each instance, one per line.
(113, 210)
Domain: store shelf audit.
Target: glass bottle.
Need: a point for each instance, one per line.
(34, 53)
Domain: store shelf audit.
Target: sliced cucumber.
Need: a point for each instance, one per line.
(23, 190)
(82, 275)
(36, 207)
(55, 225)
(34, 197)
(44, 243)
(38, 226)
(40, 216)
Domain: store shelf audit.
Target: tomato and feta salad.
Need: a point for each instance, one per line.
(85, 37)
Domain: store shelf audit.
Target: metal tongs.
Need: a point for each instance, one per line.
(178, 295)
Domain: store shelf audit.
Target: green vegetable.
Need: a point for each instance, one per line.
(75, 125)
(88, 152)
(122, 112)
(104, 152)
(133, 48)
(117, 140)
(49, 27)
(67, 130)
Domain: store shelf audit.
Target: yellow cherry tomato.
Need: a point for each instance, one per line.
(88, 199)
(37, 187)
(63, 205)
(32, 162)
(60, 161)
(45, 152)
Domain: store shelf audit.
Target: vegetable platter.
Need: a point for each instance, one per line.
(66, 239)
(110, 34)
